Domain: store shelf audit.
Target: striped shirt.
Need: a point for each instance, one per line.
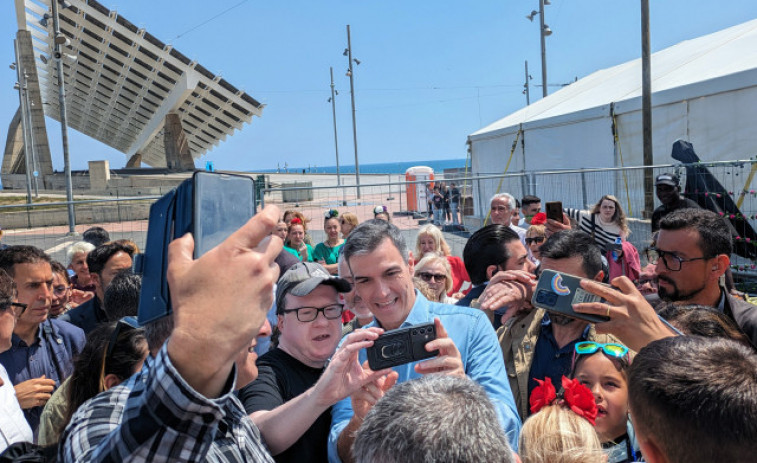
(604, 234)
(156, 416)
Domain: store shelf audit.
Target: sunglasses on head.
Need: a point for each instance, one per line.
(535, 239)
(122, 326)
(610, 349)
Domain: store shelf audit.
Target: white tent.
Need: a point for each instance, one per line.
(703, 90)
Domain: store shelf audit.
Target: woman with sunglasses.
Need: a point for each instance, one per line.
(348, 221)
(434, 271)
(535, 237)
(327, 253)
(114, 351)
(603, 368)
(431, 239)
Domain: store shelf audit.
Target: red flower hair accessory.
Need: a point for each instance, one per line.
(580, 399)
(296, 221)
(574, 396)
(544, 394)
(539, 218)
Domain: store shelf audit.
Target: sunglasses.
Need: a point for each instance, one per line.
(4, 307)
(123, 325)
(610, 349)
(535, 239)
(428, 277)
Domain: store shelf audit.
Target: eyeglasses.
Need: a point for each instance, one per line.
(4, 307)
(331, 213)
(123, 325)
(535, 239)
(427, 277)
(672, 261)
(309, 314)
(60, 290)
(611, 349)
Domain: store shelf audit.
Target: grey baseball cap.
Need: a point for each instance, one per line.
(302, 278)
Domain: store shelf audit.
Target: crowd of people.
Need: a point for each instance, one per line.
(264, 354)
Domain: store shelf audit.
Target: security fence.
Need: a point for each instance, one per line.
(45, 224)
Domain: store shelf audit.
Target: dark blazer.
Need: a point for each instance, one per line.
(87, 316)
(474, 293)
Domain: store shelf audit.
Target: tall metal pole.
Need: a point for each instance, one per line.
(352, 97)
(646, 108)
(528, 90)
(24, 123)
(32, 153)
(333, 113)
(58, 56)
(543, 50)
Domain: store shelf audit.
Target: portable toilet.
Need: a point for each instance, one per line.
(417, 200)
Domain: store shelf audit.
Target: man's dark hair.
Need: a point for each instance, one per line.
(696, 398)
(369, 235)
(121, 297)
(158, 331)
(422, 421)
(714, 235)
(21, 254)
(96, 235)
(7, 287)
(487, 246)
(574, 243)
(99, 257)
(530, 199)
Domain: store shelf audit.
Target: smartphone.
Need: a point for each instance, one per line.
(557, 292)
(554, 210)
(222, 203)
(401, 346)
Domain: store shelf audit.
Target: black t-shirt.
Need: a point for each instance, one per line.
(281, 378)
(663, 210)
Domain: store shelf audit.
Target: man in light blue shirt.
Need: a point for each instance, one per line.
(381, 268)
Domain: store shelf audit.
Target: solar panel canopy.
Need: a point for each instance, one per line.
(121, 82)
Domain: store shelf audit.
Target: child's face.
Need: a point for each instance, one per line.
(610, 389)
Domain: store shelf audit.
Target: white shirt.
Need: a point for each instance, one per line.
(13, 425)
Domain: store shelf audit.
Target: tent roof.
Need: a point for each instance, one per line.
(121, 82)
(710, 64)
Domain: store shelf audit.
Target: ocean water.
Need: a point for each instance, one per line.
(380, 168)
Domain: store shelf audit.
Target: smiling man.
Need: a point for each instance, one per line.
(42, 351)
(291, 399)
(382, 269)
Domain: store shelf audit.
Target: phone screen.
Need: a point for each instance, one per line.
(222, 204)
(554, 210)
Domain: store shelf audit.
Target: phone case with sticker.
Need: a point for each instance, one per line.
(557, 292)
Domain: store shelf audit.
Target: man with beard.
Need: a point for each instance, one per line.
(691, 255)
(537, 344)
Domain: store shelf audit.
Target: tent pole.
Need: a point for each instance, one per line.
(646, 109)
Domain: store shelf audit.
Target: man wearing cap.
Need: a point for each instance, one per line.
(291, 399)
(669, 194)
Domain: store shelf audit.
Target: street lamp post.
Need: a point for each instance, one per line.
(332, 100)
(543, 49)
(58, 56)
(351, 75)
(22, 89)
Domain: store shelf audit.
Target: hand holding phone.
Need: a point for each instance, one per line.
(401, 346)
(557, 292)
(554, 210)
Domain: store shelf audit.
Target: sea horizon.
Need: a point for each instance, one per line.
(375, 168)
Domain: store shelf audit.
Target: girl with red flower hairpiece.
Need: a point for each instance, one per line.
(561, 430)
(603, 368)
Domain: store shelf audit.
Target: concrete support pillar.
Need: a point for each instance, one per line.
(135, 161)
(99, 175)
(178, 156)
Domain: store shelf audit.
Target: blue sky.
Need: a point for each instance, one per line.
(430, 74)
